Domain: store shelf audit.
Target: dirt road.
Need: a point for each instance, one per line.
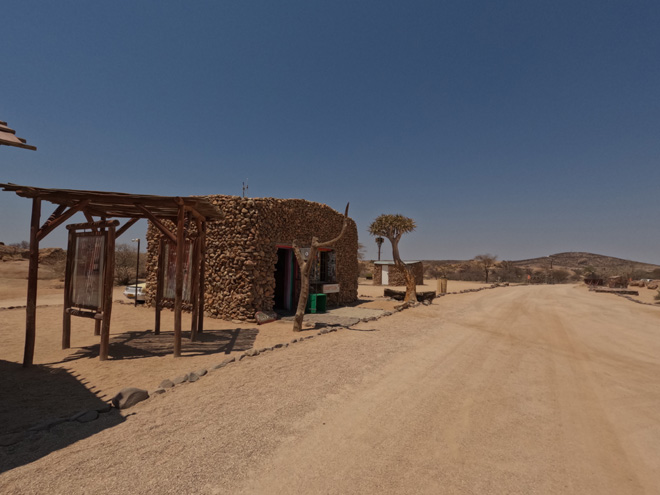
(515, 390)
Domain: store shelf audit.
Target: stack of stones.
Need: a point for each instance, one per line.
(242, 252)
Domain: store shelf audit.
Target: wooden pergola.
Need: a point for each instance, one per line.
(181, 211)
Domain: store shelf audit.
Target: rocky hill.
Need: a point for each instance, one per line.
(569, 266)
(580, 261)
(48, 256)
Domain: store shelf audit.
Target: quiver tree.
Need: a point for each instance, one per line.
(305, 268)
(392, 227)
(379, 241)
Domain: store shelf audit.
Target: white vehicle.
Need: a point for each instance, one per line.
(129, 291)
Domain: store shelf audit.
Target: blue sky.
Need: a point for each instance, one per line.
(519, 129)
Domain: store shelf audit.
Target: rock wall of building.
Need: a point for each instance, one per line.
(396, 276)
(242, 251)
(378, 274)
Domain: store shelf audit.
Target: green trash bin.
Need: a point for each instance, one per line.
(311, 304)
(320, 302)
(316, 303)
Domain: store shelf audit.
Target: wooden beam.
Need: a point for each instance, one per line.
(58, 211)
(117, 204)
(126, 226)
(101, 224)
(49, 227)
(33, 273)
(157, 223)
(178, 293)
(198, 216)
(85, 314)
(90, 219)
(108, 279)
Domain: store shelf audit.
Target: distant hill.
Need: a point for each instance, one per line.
(565, 266)
(48, 256)
(579, 260)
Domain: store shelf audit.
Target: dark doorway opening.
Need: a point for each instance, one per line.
(287, 280)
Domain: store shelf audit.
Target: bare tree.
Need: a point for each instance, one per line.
(361, 250)
(305, 268)
(125, 261)
(486, 262)
(393, 227)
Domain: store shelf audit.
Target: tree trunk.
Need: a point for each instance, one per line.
(411, 286)
(305, 267)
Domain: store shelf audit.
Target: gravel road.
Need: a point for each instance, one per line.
(548, 389)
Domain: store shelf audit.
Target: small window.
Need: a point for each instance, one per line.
(325, 268)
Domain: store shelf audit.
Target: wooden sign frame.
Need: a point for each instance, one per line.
(79, 258)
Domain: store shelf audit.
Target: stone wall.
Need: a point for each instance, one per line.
(242, 253)
(377, 270)
(397, 276)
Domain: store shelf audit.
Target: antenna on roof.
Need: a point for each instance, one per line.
(245, 187)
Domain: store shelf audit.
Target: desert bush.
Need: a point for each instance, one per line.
(125, 260)
(559, 276)
(21, 245)
(364, 267)
(506, 271)
(369, 276)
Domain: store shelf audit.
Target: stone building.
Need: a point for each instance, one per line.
(387, 273)
(250, 265)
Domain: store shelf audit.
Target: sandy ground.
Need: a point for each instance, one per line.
(138, 358)
(548, 389)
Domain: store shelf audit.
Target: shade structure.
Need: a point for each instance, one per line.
(180, 212)
(8, 137)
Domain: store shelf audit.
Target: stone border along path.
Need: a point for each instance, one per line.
(625, 296)
(130, 396)
(630, 298)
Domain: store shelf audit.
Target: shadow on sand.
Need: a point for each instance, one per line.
(132, 345)
(43, 399)
(37, 403)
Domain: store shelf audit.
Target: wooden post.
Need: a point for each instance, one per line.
(159, 283)
(194, 285)
(178, 292)
(202, 271)
(33, 273)
(108, 279)
(68, 274)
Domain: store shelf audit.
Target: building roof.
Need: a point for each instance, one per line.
(8, 137)
(121, 205)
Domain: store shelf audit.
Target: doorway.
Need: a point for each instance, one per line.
(287, 280)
